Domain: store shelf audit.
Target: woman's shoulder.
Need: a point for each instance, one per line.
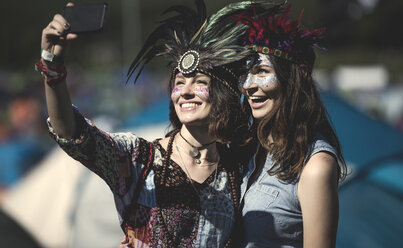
(163, 142)
(320, 144)
(321, 161)
(318, 180)
(321, 165)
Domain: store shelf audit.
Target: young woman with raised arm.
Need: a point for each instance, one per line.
(181, 190)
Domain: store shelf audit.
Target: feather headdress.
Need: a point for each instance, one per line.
(276, 34)
(192, 42)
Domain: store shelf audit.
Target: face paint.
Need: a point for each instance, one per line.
(202, 92)
(260, 81)
(264, 60)
(175, 93)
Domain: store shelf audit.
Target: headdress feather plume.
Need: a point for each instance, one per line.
(272, 31)
(215, 39)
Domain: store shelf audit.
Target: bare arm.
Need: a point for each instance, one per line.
(57, 96)
(317, 192)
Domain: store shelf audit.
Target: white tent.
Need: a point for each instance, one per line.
(63, 204)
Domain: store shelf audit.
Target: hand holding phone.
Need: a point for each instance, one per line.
(85, 17)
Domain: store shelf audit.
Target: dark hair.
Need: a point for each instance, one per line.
(228, 120)
(297, 118)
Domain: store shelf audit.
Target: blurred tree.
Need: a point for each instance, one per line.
(362, 23)
(371, 23)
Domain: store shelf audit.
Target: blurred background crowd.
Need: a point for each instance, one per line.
(362, 67)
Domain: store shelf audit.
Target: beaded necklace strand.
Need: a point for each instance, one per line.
(190, 178)
(167, 157)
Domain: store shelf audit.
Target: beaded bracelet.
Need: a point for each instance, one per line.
(52, 76)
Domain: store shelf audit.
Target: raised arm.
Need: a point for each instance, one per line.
(54, 43)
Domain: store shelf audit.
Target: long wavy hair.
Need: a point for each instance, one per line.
(297, 118)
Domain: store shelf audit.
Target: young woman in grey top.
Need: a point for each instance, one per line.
(289, 189)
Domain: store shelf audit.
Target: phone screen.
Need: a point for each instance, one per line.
(85, 17)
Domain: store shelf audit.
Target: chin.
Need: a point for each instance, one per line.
(258, 115)
(194, 122)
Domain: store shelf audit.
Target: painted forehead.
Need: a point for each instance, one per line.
(261, 59)
(264, 60)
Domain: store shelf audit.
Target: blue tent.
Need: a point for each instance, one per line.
(156, 113)
(371, 201)
(17, 156)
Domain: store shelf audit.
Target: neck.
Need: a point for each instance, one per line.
(270, 139)
(198, 137)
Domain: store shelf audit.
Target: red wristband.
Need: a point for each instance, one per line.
(52, 76)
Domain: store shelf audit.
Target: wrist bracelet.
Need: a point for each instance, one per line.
(48, 56)
(52, 76)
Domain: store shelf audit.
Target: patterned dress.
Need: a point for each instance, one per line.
(156, 205)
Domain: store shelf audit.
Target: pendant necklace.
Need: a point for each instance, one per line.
(190, 178)
(194, 151)
(233, 184)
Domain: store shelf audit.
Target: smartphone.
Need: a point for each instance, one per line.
(85, 17)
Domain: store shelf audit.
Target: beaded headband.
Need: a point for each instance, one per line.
(189, 61)
(274, 33)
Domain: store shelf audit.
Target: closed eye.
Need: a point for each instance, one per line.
(179, 82)
(203, 82)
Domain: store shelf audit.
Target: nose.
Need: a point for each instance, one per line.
(248, 82)
(187, 89)
(248, 85)
(250, 90)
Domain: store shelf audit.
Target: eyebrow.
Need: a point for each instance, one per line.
(179, 76)
(261, 65)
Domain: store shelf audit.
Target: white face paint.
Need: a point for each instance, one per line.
(175, 93)
(262, 81)
(264, 60)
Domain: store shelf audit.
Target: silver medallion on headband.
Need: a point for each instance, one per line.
(188, 62)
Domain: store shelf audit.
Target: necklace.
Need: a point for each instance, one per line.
(234, 183)
(188, 174)
(201, 159)
(194, 151)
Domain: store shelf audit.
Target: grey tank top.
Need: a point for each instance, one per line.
(271, 214)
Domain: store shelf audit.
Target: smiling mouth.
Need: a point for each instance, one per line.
(189, 105)
(258, 99)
